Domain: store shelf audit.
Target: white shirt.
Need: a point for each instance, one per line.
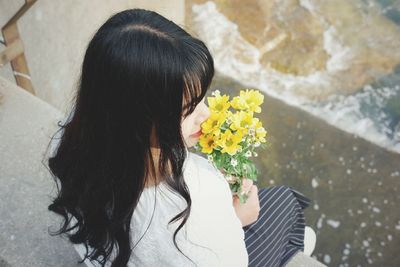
(212, 223)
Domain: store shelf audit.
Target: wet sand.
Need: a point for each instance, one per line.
(352, 183)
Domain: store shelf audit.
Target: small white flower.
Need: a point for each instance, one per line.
(229, 178)
(216, 93)
(248, 154)
(210, 157)
(228, 121)
(255, 154)
(234, 162)
(257, 144)
(239, 149)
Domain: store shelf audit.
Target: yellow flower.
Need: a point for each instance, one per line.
(248, 100)
(219, 103)
(207, 143)
(242, 121)
(229, 142)
(213, 123)
(260, 132)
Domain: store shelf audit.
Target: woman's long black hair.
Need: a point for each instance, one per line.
(141, 73)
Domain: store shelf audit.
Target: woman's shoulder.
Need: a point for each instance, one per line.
(203, 167)
(202, 163)
(201, 173)
(195, 157)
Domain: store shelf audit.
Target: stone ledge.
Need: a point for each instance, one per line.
(26, 126)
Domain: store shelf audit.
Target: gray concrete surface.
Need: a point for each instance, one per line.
(26, 124)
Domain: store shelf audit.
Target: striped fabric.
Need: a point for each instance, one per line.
(278, 233)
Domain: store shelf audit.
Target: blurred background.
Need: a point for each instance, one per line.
(330, 74)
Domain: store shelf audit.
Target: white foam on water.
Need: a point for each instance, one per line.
(307, 4)
(327, 258)
(376, 210)
(340, 55)
(314, 183)
(333, 223)
(320, 221)
(346, 113)
(237, 58)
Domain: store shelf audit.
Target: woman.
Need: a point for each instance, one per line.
(130, 192)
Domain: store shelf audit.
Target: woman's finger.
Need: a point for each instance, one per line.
(253, 190)
(246, 185)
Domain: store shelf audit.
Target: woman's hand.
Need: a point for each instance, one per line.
(247, 212)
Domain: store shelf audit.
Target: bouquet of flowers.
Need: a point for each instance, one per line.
(229, 137)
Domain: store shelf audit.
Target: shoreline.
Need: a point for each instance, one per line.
(349, 179)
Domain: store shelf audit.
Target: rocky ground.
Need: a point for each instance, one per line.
(352, 44)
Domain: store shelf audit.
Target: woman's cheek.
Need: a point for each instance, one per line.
(185, 128)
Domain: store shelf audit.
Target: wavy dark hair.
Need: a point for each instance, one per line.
(141, 74)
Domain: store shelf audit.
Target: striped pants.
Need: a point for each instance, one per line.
(278, 233)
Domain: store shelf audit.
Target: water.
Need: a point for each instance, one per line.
(362, 100)
(345, 155)
(373, 112)
(353, 184)
(391, 9)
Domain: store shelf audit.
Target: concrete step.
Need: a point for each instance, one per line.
(26, 187)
